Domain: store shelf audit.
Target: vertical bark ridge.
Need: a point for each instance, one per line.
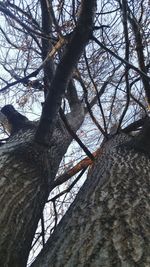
(27, 172)
(108, 224)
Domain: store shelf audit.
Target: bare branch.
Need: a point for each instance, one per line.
(73, 134)
(142, 74)
(65, 68)
(86, 162)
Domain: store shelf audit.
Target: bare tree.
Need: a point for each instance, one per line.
(86, 65)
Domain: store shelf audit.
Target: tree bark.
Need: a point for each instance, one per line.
(108, 224)
(27, 172)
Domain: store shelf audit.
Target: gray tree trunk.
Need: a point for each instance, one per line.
(109, 222)
(27, 172)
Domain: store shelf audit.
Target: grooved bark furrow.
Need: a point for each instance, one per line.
(27, 171)
(22, 195)
(108, 225)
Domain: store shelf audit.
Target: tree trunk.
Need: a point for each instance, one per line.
(109, 222)
(27, 172)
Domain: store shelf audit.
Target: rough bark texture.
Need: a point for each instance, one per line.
(109, 222)
(27, 171)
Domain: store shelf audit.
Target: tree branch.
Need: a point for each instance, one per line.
(46, 44)
(86, 162)
(142, 74)
(70, 187)
(7, 12)
(127, 51)
(73, 134)
(79, 39)
(140, 52)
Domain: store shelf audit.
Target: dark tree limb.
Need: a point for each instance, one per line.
(73, 134)
(127, 50)
(64, 70)
(140, 72)
(43, 229)
(83, 164)
(4, 9)
(135, 125)
(140, 52)
(23, 80)
(70, 187)
(72, 95)
(89, 108)
(97, 94)
(46, 44)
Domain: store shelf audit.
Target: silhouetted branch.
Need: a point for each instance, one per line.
(86, 162)
(74, 49)
(142, 74)
(73, 134)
